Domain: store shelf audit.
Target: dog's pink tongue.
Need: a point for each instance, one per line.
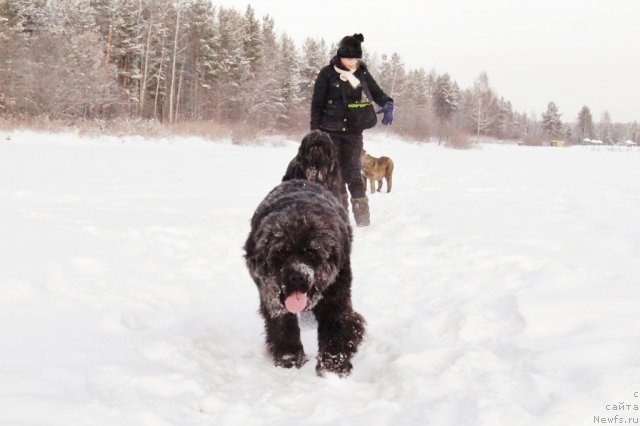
(296, 302)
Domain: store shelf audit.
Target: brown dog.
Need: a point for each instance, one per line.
(375, 169)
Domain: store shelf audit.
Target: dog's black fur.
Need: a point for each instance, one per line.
(317, 161)
(300, 241)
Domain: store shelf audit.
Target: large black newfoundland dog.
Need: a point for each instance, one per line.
(317, 161)
(298, 254)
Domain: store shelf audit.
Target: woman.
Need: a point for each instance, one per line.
(338, 84)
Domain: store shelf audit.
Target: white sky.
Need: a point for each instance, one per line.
(572, 52)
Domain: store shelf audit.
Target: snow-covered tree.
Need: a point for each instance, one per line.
(85, 85)
(416, 113)
(446, 97)
(266, 104)
(633, 132)
(27, 17)
(446, 102)
(552, 122)
(252, 40)
(201, 58)
(233, 70)
(584, 126)
(605, 128)
(391, 75)
(314, 57)
(125, 46)
(483, 106)
(289, 84)
(504, 126)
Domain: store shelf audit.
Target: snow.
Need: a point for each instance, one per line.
(500, 286)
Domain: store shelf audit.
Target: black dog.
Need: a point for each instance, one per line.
(317, 161)
(298, 254)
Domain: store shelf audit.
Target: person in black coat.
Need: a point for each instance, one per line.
(338, 84)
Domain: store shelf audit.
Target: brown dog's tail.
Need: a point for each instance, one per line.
(389, 174)
(389, 170)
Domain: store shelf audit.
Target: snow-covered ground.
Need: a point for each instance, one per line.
(501, 286)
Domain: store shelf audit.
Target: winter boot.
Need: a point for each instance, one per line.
(361, 210)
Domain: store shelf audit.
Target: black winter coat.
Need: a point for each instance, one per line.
(327, 105)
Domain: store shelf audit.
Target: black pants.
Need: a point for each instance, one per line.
(350, 153)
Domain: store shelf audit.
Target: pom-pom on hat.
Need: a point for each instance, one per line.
(349, 46)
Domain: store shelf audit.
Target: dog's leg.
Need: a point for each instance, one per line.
(344, 196)
(372, 183)
(283, 340)
(389, 183)
(379, 185)
(340, 328)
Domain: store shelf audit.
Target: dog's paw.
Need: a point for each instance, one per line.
(338, 364)
(290, 360)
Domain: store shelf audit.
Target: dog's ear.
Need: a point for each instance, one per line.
(251, 256)
(330, 247)
(304, 143)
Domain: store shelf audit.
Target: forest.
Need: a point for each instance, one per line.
(191, 61)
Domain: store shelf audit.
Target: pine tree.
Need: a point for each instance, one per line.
(446, 101)
(289, 83)
(200, 57)
(233, 70)
(28, 49)
(156, 64)
(127, 47)
(252, 40)
(584, 126)
(415, 119)
(24, 24)
(605, 129)
(85, 86)
(504, 123)
(521, 125)
(633, 132)
(446, 97)
(27, 17)
(266, 104)
(314, 57)
(420, 88)
(552, 122)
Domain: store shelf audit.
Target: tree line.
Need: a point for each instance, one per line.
(189, 60)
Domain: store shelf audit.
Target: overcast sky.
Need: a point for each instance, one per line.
(572, 52)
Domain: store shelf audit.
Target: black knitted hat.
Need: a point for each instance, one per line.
(349, 46)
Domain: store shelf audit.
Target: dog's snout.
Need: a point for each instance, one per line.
(316, 151)
(297, 281)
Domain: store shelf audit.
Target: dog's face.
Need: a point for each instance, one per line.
(294, 262)
(317, 155)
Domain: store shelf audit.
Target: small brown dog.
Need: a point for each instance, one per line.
(375, 169)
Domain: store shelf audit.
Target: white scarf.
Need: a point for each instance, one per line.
(348, 76)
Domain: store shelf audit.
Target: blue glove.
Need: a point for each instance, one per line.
(387, 109)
